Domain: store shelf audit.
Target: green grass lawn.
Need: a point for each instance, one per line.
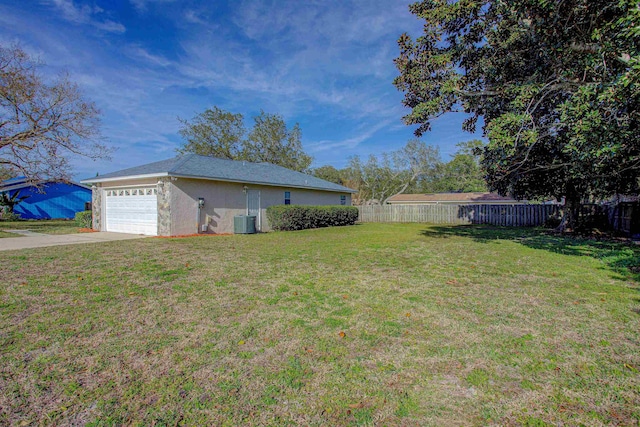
(397, 325)
(5, 234)
(45, 226)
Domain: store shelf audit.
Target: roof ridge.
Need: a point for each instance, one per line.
(243, 161)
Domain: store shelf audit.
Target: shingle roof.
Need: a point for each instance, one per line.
(450, 198)
(22, 182)
(204, 167)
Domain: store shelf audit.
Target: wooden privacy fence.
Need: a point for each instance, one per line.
(517, 215)
(625, 217)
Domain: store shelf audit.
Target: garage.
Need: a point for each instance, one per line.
(192, 194)
(132, 210)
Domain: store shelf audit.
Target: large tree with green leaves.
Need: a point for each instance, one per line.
(219, 133)
(462, 174)
(272, 141)
(215, 133)
(329, 173)
(556, 82)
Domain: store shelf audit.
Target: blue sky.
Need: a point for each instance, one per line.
(327, 65)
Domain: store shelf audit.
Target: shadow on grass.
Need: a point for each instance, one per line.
(622, 257)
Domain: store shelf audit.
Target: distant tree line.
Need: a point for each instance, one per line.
(415, 168)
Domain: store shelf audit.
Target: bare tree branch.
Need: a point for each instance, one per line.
(43, 123)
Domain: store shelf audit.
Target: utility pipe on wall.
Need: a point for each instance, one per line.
(199, 214)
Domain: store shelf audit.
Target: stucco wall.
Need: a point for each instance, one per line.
(224, 200)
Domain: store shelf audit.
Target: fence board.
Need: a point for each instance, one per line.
(518, 215)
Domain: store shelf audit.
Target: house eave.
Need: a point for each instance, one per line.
(268, 184)
(98, 180)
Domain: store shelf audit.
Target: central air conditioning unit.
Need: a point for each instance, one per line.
(244, 224)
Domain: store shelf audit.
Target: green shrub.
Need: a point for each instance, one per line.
(7, 215)
(298, 217)
(84, 219)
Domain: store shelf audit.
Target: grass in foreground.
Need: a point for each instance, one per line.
(369, 325)
(45, 226)
(4, 234)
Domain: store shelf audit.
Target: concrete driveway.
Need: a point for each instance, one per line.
(39, 240)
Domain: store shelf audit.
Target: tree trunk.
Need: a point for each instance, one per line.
(571, 213)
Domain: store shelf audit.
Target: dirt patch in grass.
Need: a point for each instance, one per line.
(86, 230)
(371, 325)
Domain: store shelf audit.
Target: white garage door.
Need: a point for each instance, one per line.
(132, 210)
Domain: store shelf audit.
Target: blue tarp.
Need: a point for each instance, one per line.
(53, 200)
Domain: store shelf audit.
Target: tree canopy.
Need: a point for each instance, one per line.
(329, 173)
(271, 141)
(215, 133)
(556, 83)
(43, 122)
(393, 173)
(219, 133)
(416, 167)
(461, 174)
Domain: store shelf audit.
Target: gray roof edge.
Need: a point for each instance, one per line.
(45, 182)
(153, 168)
(98, 179)
(341, 187)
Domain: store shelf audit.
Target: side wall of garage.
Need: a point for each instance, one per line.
(224, 200)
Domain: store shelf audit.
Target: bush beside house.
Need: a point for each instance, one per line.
(84, 219)
(298, 217)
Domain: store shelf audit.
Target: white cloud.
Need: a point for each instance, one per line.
(350, 142)
(86, 15)
(193, 17)
(303, 56)
(304, 53)
(142, 5)
(139, 53)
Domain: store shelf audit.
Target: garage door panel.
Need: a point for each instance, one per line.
(132, 211)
